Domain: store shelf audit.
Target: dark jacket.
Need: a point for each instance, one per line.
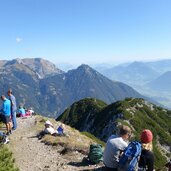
(147, 160)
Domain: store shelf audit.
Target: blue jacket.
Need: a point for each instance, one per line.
(6, 107)
(22, 111)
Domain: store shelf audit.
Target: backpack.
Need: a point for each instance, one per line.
(130, 157)
(95, 153)
(60, 130)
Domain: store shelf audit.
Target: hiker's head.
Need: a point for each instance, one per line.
(9, 92)
(48, 124)
(146, 136)
(3, 97)
(146, 139)
(125, 132)
(20, 106)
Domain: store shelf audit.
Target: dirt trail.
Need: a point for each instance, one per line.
(32, 155)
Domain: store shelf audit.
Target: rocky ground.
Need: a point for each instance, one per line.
(32, 155)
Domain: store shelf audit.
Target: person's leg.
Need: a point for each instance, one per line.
(8, 124)
(7, 127)
(6, 118)
(14, 120)
(10, 128)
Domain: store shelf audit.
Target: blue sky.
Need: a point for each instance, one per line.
(85, 31)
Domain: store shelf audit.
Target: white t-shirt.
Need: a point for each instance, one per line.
(49, 130)
(112, 151)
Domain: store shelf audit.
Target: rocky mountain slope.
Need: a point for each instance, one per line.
(101, 120)
(37, 83)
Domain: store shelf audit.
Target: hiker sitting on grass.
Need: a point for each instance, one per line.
(114, 145)
(49, 129)
(60, 130)
(21, 111)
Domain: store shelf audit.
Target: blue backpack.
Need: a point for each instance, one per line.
(130, 157)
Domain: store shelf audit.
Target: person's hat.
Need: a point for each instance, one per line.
(48, 123)
(146, 136)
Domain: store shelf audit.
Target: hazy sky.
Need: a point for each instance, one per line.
(85, 31)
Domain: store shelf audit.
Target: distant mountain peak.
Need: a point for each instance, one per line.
(84, 70)
(137, 64)
(41, 66)
(85, 67)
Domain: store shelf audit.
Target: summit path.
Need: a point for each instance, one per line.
(31, 154)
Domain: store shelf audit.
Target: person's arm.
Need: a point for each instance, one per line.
(12, 101)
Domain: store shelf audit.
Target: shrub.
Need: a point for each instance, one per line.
(6, 160)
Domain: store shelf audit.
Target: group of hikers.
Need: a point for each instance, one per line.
(49, 129)
(117, 151)
(9, 112)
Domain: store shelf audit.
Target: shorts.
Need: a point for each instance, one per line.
(7, 119)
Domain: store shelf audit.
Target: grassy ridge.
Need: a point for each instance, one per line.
(136, 113)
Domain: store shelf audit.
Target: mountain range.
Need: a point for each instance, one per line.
(40, 84)
(133, 73)
(95, 116)
(149, 78)
(162, 83)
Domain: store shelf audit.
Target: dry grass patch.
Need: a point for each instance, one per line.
(72, 141)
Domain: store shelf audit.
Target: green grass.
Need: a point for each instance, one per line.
(6, 160)
(98, 141)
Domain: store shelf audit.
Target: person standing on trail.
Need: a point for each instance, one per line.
(6, 111)
(13, 109)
